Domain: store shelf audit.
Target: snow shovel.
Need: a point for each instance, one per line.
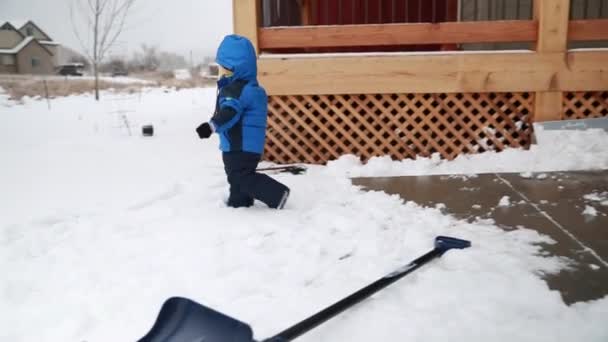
(183, 320)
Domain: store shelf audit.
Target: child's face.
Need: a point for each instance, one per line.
(223, 72)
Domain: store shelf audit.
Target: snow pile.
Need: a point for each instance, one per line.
(542, 176)
(556, 151)
(99, 227)
(182, 74)
(505, 201)
(602, 197)
(590, 211)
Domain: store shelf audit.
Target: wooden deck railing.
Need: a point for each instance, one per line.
(397, 34)
(588, 30)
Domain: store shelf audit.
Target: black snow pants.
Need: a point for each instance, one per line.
(247, 185)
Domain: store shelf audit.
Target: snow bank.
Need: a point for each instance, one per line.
(556, 151)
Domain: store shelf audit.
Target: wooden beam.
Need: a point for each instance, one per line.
(397, 34)
(589, 30)
(246, 19)
(548, 106)
(553, 18)
(456, 72)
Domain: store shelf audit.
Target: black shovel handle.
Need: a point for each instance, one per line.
(181, 319)
(442, 245)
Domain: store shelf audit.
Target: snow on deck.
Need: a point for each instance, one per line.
(385, 54)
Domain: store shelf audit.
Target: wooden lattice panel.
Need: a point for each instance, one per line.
(584, 105)
(319, 128)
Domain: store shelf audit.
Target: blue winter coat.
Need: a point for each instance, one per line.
(242, 104)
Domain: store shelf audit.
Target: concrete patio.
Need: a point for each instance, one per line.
(551, 203)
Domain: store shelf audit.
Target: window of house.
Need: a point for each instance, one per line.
(35, 62)
(7, 59)
(29, 31)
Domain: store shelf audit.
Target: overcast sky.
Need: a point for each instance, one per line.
(172, 25)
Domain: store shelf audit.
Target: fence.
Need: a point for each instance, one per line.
(318, 128)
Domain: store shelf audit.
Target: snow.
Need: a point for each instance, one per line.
(118, 79)
(49, 42)
(109, 79)
(597, 49)
(385, 54)
(555, 151)
(505, 201)
(590, 211)
(182, 74)
(600, 198)
(98, 228)
(19, 46)
(596, 196)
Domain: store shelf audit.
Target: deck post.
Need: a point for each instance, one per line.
(553, 19)
(246, 19)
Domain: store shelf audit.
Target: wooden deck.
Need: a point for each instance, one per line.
(409, 86)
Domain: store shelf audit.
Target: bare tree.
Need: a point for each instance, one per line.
(104, 21)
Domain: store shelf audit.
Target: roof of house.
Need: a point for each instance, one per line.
(48, 42)
(4, 23)
(18, 24)
(22, 45)
(19, 46)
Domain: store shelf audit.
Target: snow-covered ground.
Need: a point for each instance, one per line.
(107, 78)
(182, 74)
(99, 227)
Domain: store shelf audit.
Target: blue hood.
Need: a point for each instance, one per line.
(237, 54)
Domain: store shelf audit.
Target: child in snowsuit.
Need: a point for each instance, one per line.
(240, 120)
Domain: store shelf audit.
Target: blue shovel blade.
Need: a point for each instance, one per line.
(183, 320)
(445, 243)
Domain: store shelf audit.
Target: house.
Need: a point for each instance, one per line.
(26, 49)
(411, 78)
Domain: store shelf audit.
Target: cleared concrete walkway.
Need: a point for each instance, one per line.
(551, 203)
